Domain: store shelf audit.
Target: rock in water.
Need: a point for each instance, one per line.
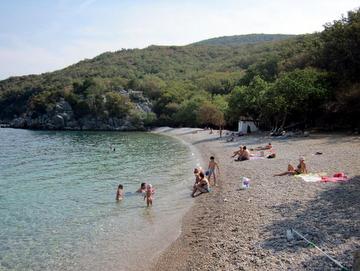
(58, 121)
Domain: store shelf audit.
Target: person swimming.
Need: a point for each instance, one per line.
(119, 192)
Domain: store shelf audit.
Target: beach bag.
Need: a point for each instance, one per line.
(245, 183)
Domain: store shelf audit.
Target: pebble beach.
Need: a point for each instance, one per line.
(236, 229)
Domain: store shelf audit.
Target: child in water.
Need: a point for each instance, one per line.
(211, 169)
(119, 192)
(149, 195)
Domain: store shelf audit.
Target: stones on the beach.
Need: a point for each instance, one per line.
(356, 262)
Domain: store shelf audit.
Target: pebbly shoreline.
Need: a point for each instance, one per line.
(234, 229)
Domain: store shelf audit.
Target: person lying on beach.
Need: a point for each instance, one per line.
(202, 186)
(142, 188)
(301, 169)
(120, 192)
(263, 148)
(149, 195)
(211, 169)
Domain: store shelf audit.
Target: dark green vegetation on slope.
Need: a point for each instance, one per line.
(309, 79)
(243, 39)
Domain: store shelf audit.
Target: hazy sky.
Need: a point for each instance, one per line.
(44, 35)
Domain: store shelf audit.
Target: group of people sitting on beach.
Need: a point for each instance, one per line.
(202, 179)
(244, 154)
(145, 189)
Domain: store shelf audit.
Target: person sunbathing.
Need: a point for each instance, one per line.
(263, 148)
(301, 169)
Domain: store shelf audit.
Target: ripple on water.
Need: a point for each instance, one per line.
(57, 194)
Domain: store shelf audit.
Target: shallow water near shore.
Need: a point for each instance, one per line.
(57, 198)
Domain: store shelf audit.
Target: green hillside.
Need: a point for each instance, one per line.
(308, 79)
(243, 39)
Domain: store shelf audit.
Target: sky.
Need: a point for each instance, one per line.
(38, 36)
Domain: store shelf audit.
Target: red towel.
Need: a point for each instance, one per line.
(337, 177)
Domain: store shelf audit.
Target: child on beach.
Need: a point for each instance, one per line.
(211, 169)
(149, 195)
(119, 192)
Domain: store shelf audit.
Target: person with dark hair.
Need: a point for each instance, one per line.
(245, 154)
(211, 169)
(120, 192)
(202, 186)
(142, 188)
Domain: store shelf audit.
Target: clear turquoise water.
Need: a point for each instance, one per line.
(57, 199)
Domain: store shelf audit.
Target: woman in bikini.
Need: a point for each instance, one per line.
(301, 169)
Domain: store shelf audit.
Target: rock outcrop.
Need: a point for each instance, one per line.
(62, 117)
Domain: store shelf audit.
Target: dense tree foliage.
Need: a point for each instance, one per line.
(243, 39)
(308, 79)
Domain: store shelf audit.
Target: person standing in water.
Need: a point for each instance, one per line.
(142, 188)
(149, 195)
(119, 192)
(211, 169)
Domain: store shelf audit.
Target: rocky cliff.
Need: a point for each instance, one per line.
(62, 117)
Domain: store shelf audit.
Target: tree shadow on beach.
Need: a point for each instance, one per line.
(331, 138)
(331, 220)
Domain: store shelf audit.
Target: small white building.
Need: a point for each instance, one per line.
(247, 125)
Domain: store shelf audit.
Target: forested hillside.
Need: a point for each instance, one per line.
(243, 39)
(310, 79)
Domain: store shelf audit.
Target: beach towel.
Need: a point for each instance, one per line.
(256, 157)
(337, 177)
(310, 178)
(321, 177)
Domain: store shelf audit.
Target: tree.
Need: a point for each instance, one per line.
(188, 111)
(341, 47)
(248, 101)
(117, 105)
(208, 114)
(299, 93)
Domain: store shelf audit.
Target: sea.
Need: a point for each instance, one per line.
(57, 198)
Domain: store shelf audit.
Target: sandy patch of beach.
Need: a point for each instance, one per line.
(234, 229)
